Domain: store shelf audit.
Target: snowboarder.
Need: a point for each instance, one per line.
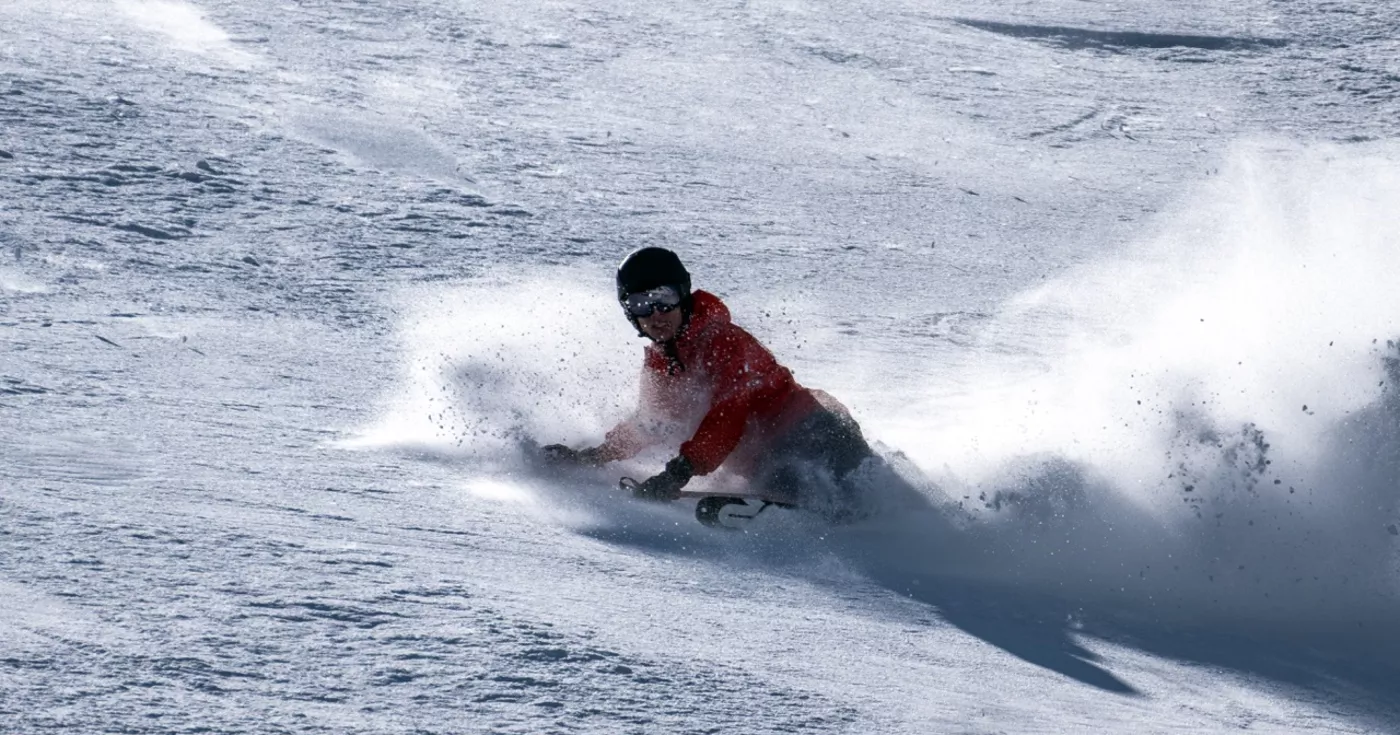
(708, 379)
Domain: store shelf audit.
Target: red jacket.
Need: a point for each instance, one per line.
(728, 392)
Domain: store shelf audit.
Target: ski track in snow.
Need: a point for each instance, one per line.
(226, 220)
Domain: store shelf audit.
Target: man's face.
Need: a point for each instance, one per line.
(657, 311)
(661, 326)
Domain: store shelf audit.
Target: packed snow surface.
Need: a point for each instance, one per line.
(283, 287)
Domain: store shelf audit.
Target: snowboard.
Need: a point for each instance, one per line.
(733, 510)
(715, 509)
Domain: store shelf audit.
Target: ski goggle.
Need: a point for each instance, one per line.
(643, 303)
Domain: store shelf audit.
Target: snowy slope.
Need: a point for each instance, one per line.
(281, 282)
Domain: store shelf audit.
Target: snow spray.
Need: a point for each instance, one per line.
(489, 363)
(1208, 427)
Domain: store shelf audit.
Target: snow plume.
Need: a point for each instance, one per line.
(1210, 427)
(489, 363)
(186, 28)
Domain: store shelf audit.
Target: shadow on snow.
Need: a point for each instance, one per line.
(1084, 38)
(1044, 628)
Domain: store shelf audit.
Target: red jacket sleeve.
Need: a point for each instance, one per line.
(744, 374)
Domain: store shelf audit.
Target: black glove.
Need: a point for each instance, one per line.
(668, 484)
(560, 455)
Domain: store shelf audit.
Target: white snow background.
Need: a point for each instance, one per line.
(282, 285)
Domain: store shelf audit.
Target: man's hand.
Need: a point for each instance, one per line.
(668, 484)
(558, 454)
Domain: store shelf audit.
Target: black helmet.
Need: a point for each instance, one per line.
(649, 268)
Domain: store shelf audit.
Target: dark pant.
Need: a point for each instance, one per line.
(813, 462)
